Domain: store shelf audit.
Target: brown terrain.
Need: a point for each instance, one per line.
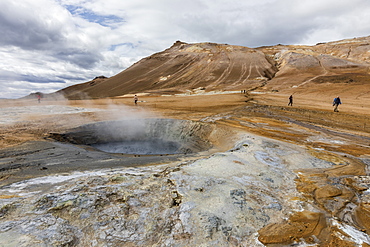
(196, 81)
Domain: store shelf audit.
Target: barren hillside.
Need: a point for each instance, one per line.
(211, 66)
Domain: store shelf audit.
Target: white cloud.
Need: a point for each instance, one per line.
(65, 42)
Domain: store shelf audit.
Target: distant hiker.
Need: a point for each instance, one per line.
(135, 99)
(336, 103)
(290, 100)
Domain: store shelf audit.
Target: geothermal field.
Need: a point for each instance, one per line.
(204, 169)
(212, 154)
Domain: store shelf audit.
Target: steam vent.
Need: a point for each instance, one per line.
(142, 136)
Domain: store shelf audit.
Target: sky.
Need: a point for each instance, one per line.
(47, 45)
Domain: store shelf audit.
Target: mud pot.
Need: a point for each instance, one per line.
(143, 136)
(106, 144)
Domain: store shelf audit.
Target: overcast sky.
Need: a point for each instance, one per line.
(47, 45)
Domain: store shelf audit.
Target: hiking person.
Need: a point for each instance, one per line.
(290, 100)
(336, 103)
(135, 99)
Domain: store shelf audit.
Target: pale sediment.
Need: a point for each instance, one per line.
(218, 200)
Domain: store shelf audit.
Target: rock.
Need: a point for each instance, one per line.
(327, 191)
(300, 225)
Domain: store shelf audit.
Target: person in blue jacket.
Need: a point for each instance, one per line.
(336, 103)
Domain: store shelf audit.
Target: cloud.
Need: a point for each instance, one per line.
(47, 45)
(13, 76)
(28, 25)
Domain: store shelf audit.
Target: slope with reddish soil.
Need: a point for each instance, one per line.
(184, 66)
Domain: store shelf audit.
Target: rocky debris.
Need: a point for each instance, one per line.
(97, 79)
(100, 77)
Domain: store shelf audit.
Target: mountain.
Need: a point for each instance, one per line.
(211, 66)
(343, 62)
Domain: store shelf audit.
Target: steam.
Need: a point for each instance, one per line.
(113, 125)
(57, 114)
(28, 108)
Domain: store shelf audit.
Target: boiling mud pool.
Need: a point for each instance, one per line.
(143, 147)
(144, 136)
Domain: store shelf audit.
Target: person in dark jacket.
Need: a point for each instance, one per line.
(336, 103)
(290, 100)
